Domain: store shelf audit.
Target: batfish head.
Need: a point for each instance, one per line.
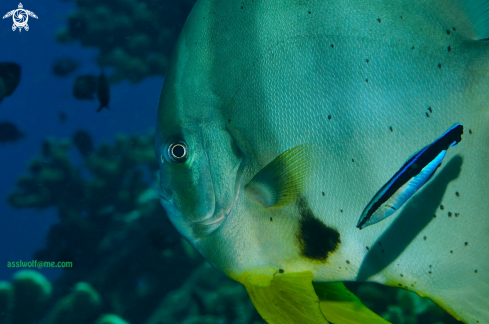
(200, 162)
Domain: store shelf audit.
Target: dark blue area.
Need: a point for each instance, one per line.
(34, 107)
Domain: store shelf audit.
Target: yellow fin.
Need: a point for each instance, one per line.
(290, 298)
(341, 306)
(287, 298)
(281, 180)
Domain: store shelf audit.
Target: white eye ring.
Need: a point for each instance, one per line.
(178, 152)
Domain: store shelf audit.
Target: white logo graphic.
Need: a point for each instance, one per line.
(20, 17)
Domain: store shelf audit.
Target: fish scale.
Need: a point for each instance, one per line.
(278, 74)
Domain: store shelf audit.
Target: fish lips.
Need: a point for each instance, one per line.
(209, 224)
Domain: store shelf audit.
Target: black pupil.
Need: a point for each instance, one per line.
(178, 151)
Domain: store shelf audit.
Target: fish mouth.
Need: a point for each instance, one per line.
(208, 225)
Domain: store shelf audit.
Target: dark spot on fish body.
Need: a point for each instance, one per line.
(457, 194)
(332, 45)
(449, 48)
(400, 17)
(427, 115)
(241, 7)
(341, 210)
(434, 216)
(430, 110)
(476, 272)
(271, 219)
(323, 193)
(412, 47)
(400, 285)
(281, 271)
(383, 251)
(378, 19)
(451, 251)
(401, 275)
(470, 131)
(352, 160)
(425, 238)
(229, 120)
(457, 214)
(429, 272)
(309, 12)
(448, 32)
(442, 207)
(453, 28)
(316, 240)
(391, 129)
(329, 117)
(439, 65)
(367, 60)
(466, 243)
(449, 214)
(367, 248)
(366, 80)
(347, 262)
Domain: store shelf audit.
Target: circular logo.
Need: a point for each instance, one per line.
(20, 18)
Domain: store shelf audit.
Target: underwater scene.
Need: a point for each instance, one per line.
(244, 162)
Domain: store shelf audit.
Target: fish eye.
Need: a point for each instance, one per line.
(178, 152)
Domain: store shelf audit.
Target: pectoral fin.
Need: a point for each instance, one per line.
(281, 181)
(290, 298)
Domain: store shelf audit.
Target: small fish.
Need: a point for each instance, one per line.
(9, 78)
(269, 139)
(83, 142)
(410, 178)
(64, 66)
(103, 92)
(9, 132)
(85, 87)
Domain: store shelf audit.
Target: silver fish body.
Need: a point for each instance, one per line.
(363, 84)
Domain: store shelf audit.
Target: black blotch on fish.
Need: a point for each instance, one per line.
(103, 92)
(378, 19)
(83, 142)
(439, 65)
(412, 47)
(448, 32)
(332, 45)
(85, 87)
(316, 240)
(329, 117)
(449, 48)
(309, 12)
(391, 129)
(470, 131)
(427, 115)
(9, 78)
(431, 110)
(9, 132)
(64, 66)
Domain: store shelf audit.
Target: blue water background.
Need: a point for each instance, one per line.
(34, 107)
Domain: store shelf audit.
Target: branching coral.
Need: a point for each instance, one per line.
(134, 37)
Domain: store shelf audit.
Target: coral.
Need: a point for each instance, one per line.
(134, 37)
